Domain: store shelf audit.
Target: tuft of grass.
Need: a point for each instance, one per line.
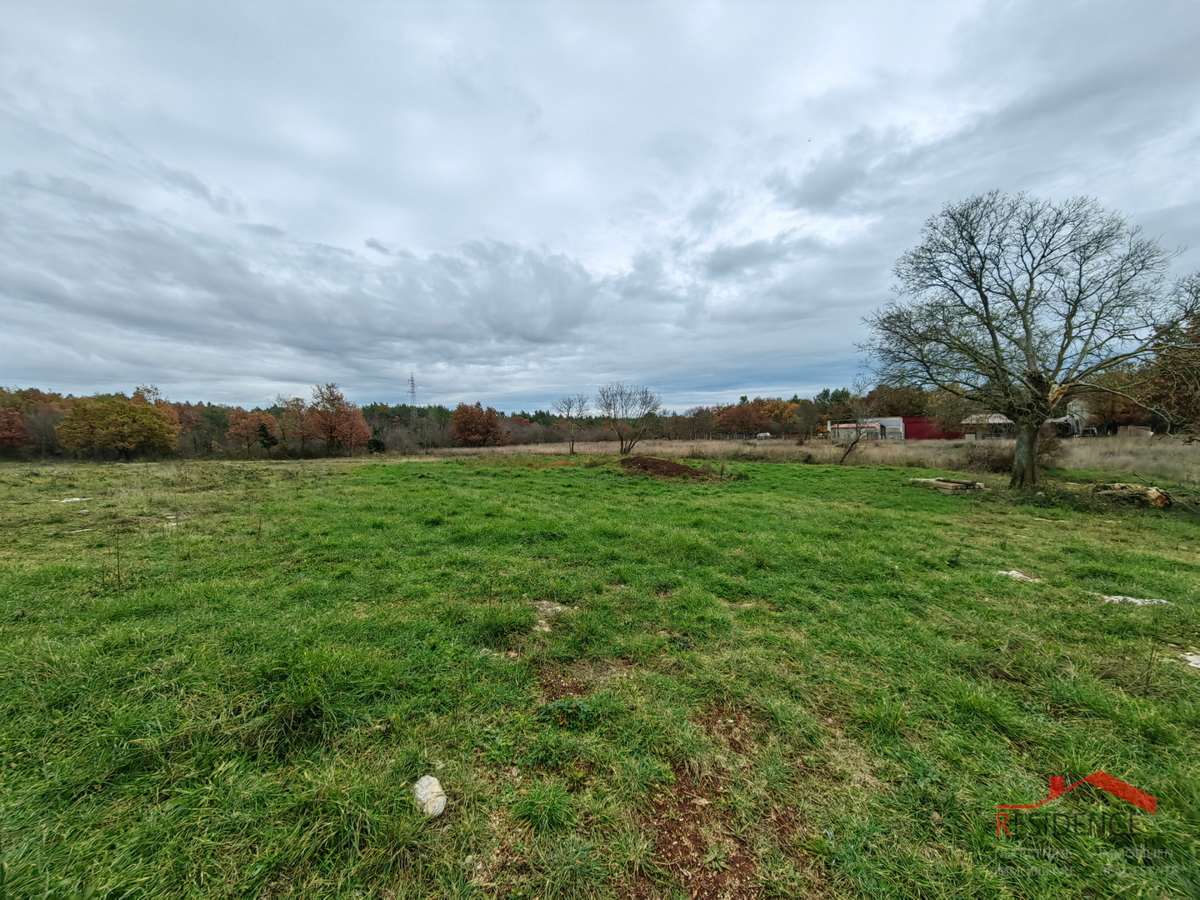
(546, 806)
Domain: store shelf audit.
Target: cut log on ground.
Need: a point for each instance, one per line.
(950, 485)
(1139, 494)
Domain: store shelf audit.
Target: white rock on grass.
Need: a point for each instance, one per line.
(1020, 576)
(548, 611)
(1117, 598)
(430, 796)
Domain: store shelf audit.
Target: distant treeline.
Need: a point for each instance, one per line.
(145, 424)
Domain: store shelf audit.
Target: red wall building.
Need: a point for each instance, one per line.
(923, 428)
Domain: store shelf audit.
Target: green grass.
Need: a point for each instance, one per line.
(812, 672)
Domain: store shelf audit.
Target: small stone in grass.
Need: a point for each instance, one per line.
(1117, 598)
(430, 796)
(1020, 576)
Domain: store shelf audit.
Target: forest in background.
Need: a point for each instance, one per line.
(145, 424)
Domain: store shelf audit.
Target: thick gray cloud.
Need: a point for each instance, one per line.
(519, 201)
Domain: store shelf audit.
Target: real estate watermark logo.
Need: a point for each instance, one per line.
(1107, 822)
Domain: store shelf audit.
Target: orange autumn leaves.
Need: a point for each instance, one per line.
(116, 426)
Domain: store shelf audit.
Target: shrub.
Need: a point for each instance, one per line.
(989, 456)
(997, 456)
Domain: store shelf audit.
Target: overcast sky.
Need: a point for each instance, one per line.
(516, 200)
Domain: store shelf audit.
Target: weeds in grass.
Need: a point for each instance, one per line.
(569, 713)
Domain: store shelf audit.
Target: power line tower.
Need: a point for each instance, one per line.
(412, 400)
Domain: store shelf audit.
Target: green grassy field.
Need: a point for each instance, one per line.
(222, 680)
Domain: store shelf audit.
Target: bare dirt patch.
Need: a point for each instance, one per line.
(664, 468)
(732, 727)
(559, 685)
(583, 678)
(601, 673)
(693, 841)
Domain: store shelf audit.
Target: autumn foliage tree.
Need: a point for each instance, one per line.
(116, 425)
(337, 421)
(250, 428)
(29, 417)
(12, 429)
(296, 420)
(744, 418)
(779, 411)
(474, 426)
(1117, 406)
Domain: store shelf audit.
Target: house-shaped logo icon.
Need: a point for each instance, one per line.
(1102, 780)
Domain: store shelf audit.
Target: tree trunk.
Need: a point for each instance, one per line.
(630, 441)
(849, 449)
(1024, 470)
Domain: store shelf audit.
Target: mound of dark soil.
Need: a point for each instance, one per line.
(665, 467)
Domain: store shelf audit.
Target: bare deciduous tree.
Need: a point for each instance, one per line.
(863, 407)
(572, 408)
(628, 411)
(1018, 304)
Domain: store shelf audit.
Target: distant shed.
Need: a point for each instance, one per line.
(879, 428)
(989, 426)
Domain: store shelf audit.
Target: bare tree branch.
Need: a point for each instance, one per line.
(572, 408)
(628, 411)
